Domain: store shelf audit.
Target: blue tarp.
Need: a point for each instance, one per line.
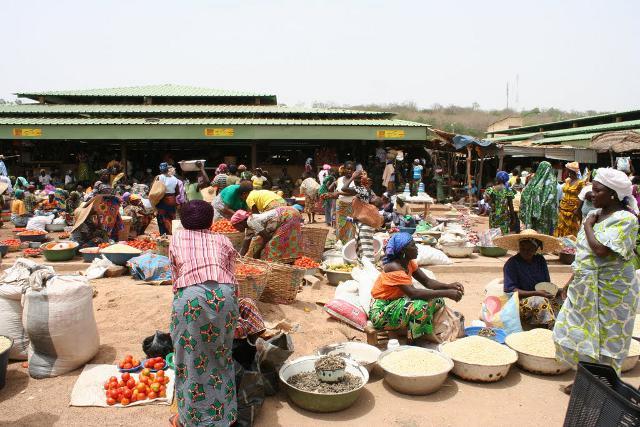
(461, 141)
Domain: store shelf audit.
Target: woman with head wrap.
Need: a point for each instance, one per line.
(140, 218)
(539, 203)
(275, 235)
(396, 302)
(345, 229)
(19, 214)
(327, 195)
(173, 196)
(231, 199)
(363, 233)
(500, 198)
(101, 223)
(569, 214)
(596, 321)
(308, 166)
(309, 189)
(524, 270)
(203, 319)
(220, 180)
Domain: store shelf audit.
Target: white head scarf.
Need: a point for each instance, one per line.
(620, 183)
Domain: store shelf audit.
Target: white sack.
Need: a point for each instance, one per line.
(428, 255)
(11, 321)
(366, 277)
(61, 326)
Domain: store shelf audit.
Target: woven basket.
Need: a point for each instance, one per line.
(283, 282)
(252, 286)
(313, 241)
(236, 239)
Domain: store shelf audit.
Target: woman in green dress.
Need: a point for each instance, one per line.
(539, 201)
(500, 198)
(596, 321)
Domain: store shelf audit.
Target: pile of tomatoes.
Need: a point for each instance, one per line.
(223, 226)
(129, 362)
(127, 390)
(143, 245)
(104, 245)
(32, 252)
(11, 242)
(306, 262)
(248, 270)
(32, 233)
(155, 363)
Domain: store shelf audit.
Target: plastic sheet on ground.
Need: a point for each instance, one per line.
(89, 387)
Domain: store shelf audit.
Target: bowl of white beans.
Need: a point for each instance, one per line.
(414, 370)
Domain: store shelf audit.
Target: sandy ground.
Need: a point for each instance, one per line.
(128, 311)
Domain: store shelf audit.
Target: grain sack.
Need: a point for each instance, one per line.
(61, 327)
(11, 320)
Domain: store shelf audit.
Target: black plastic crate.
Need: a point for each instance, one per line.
(599, 398)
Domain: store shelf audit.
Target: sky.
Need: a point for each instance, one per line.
(574, 55)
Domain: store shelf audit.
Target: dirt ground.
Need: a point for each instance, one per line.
(128, 311)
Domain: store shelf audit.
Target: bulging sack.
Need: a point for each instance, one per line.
(11, 321)
(61, 326)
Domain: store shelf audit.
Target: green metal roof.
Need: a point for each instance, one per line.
(578, 120)
(55, 109)
(631, 124)
(165, 90)
(21, 121)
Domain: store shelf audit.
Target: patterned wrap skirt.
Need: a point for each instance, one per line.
(414, 314)
(345, 230)
(166, 213)
(203, 322)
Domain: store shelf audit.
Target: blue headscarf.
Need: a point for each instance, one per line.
(164, 167)
(395, 245)
(503, 178)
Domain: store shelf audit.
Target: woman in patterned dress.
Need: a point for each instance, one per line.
(539, 201)
(596, 321)
(569, 213)
(500, 197)
(274, 235)
(396, 302)
(203, 320)
(363, 232)
(345, 229)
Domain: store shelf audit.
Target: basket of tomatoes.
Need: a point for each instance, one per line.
(251, 275)
(33, 253)
(225, 228)
(143, 245)
(32, 236)
(12, 244)
(131, 388)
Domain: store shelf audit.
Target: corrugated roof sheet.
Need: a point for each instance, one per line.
(630, 124)
(169, 90)
(213, 109)
(21, 121)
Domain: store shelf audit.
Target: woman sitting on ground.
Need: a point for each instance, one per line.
(397, 303)
(19, 215)
(524, 270)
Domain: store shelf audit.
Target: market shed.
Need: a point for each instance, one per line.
(145, 123)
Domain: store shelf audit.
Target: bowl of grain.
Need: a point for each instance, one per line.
(364, 354)
(307, 391)
(120, 253)
(479, 359)
(536, 352)
(630, 362)
(414, 370)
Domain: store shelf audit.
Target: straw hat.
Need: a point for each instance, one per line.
(82, 213)
(511, 242)
(573, 166)
(3, 187)
(208, 194)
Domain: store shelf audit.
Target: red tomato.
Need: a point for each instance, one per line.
(135, 362)
(113, 384)
(163, 393)
(134, 398)
(155, 387)
(131, 383)
(121, 365)
(128, 358)
(148, 363)
(166, 380)
(124, 401)
(112, 379)
(158, 366)
(106, 385)
(160, 373)
(111, 401)
(127, 365)
(127, 393)
(121, 383)
(145, 372)
(163, 388)
(113, 393)
(125, 377)
(143, 380)
(142, 396)
(140, 387)
(152, 395)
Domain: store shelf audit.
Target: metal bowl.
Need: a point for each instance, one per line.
(415, 384)
(320, 402)
(55, 227)
(481, 373)
(89, 254)
(541, 365)
(364, 354)
(32, 237)
(492, 251)
(119, 258)
(335, 277)
(59, 254)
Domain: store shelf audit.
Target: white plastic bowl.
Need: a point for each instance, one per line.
(458, 251)
(349, 251)
(415, 384)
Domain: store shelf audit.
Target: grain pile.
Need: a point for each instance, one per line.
(414, 362)
(536, 342)
(309, 381)
(330, 363)
(477, 350)
(120, 249)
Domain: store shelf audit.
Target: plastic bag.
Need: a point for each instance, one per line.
(157, 345)
(502, 311)
(623, 164)
(38, 222)
(486, 237)
(366, 276)
(98, 267)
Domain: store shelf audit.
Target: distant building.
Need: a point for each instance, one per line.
(511, 122)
